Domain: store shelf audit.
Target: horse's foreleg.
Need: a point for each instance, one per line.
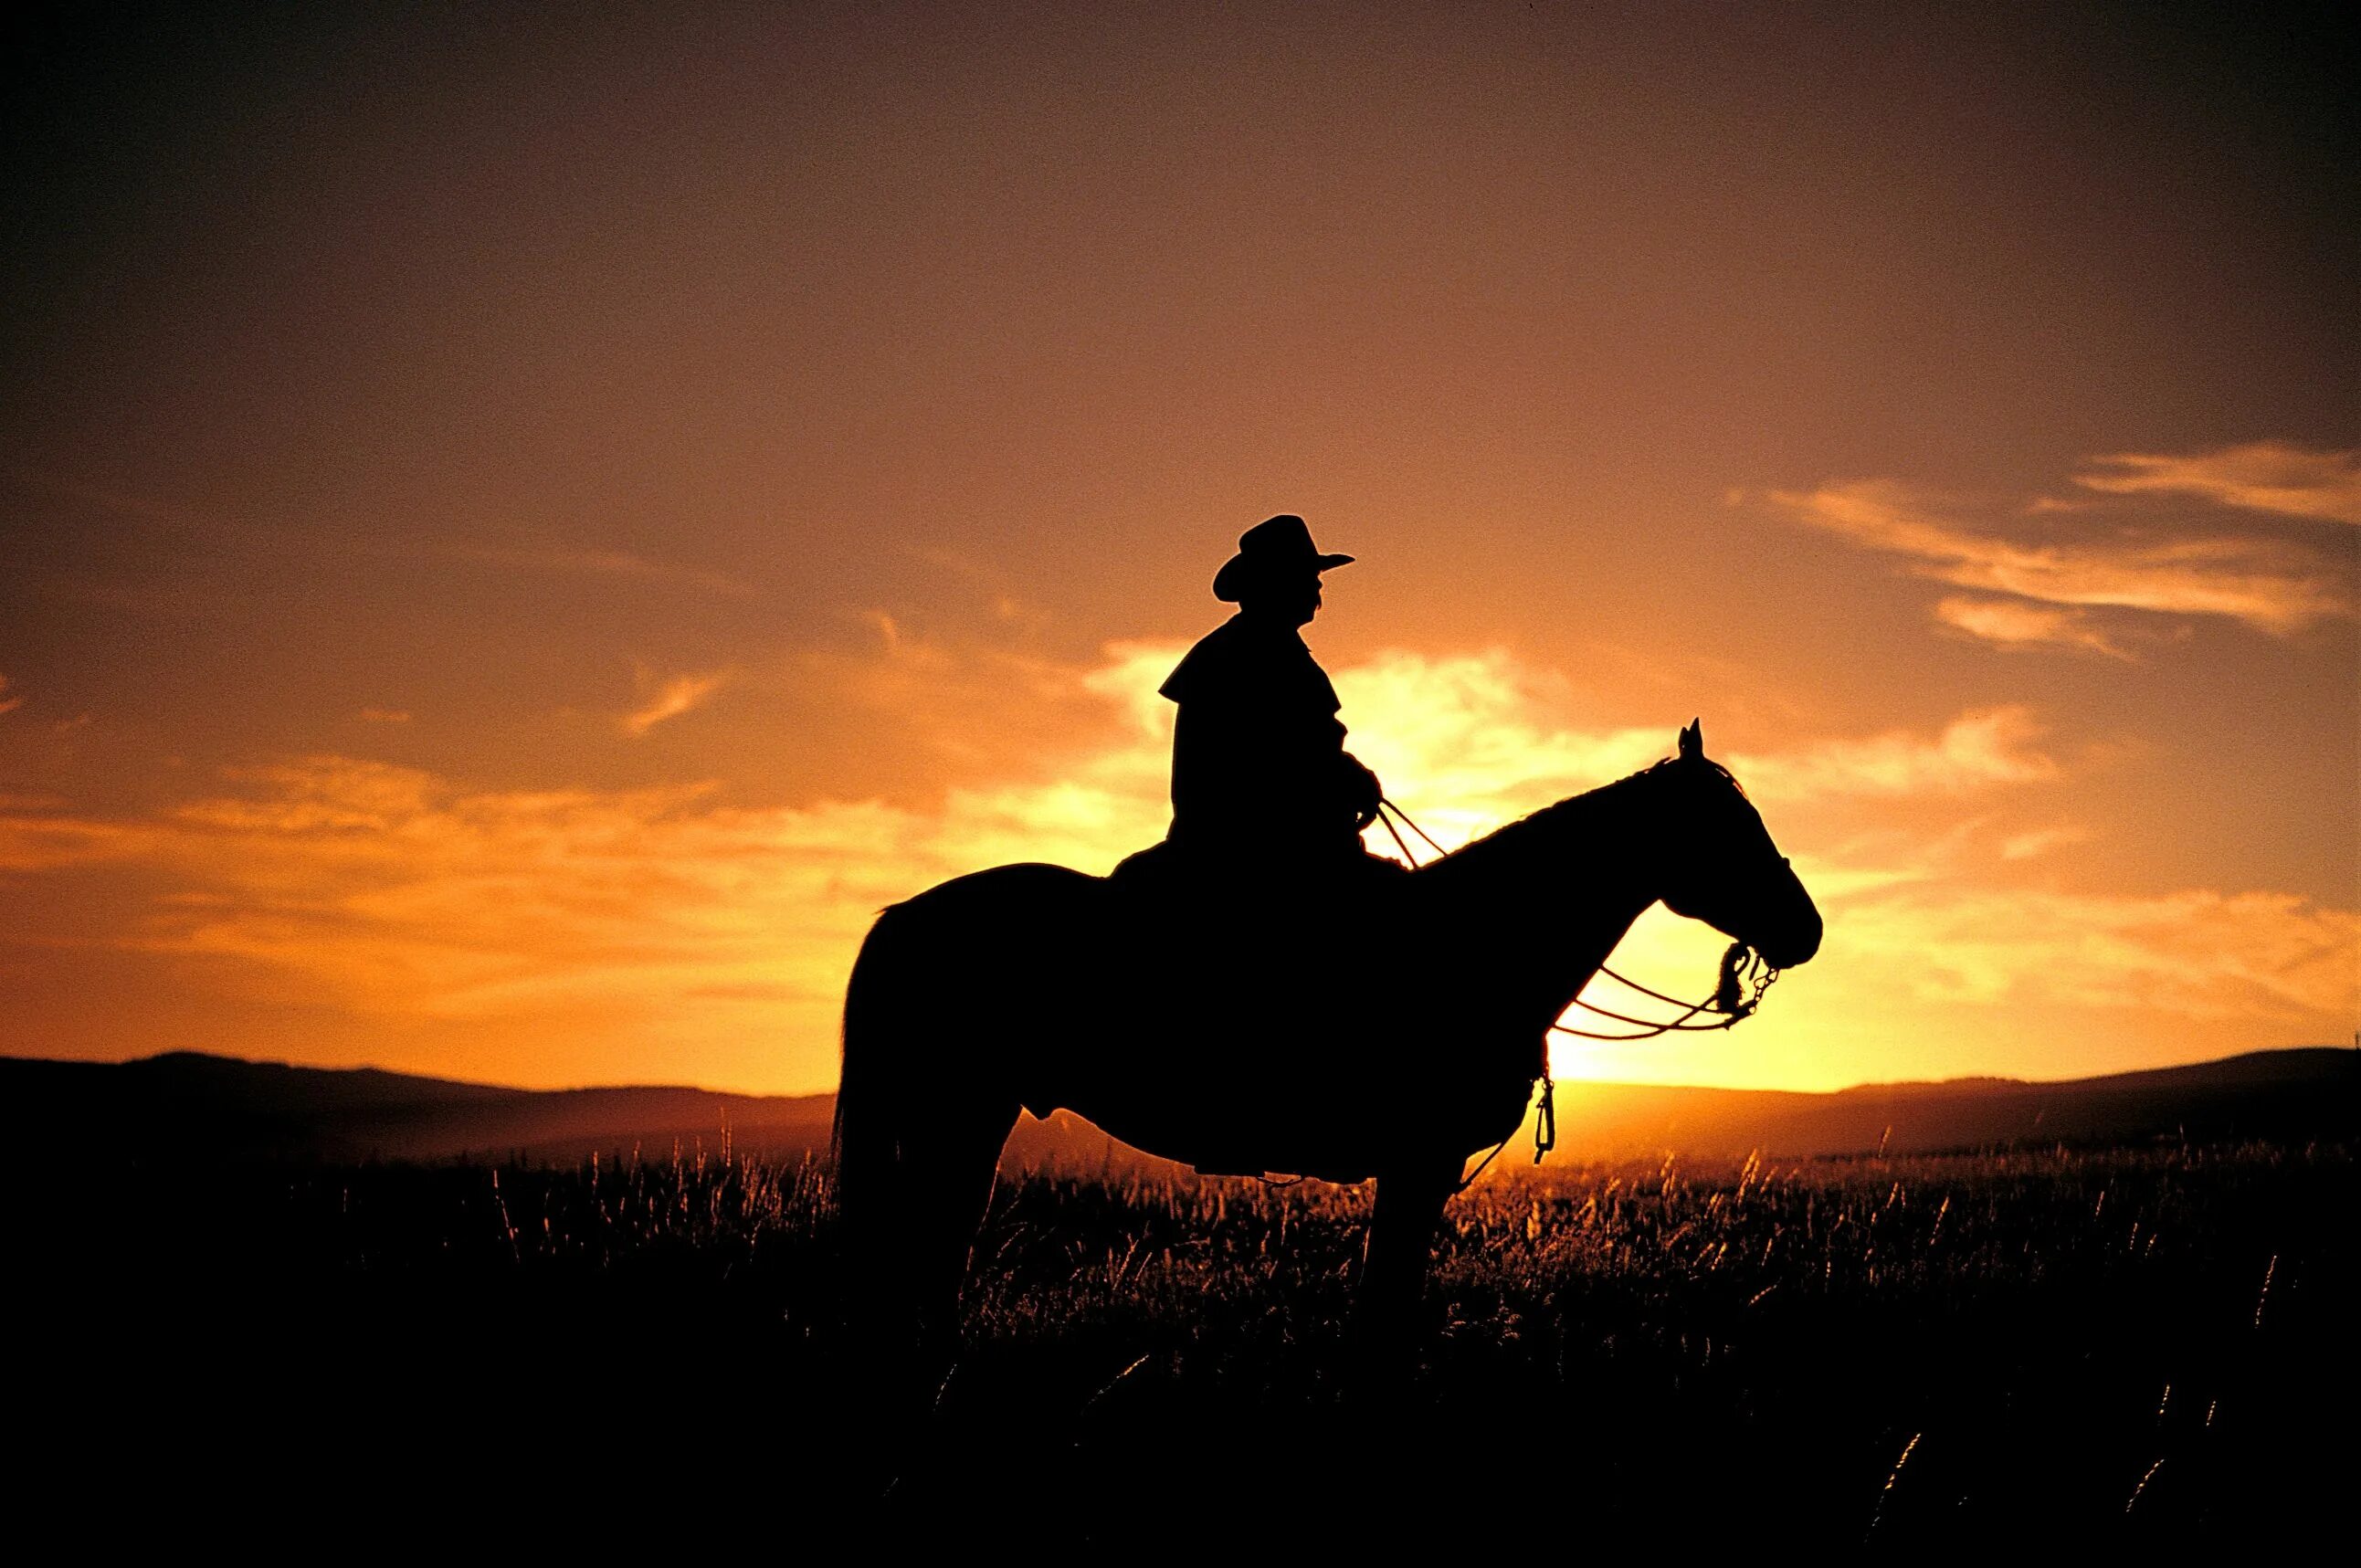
(1393, 1276)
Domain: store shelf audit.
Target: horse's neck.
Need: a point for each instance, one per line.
(1603, 878)
(1543, 905)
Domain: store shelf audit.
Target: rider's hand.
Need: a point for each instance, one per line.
(1365, 792)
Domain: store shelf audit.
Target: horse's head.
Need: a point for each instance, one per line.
(1724, 869)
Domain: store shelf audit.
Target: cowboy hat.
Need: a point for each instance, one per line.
(1275, 549)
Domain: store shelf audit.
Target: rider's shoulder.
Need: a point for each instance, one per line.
(1237, 655)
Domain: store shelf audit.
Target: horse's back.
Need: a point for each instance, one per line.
(980, 932)
(985, 917)
(1022, 885)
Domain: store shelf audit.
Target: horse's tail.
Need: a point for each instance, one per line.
(921, 1118)
(917, 1130)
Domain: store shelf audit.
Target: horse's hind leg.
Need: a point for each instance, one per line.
(907, 1254)
(949, 1164)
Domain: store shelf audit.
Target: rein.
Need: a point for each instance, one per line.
(1742, 967)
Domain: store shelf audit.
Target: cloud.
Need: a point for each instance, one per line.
(2041, 840)
(119, 503)
(2200, 952)
(394, 894)
(37, 835)
(384, 716)
(671, 698)
(2262, 585)
(8, 703)
(1470, 742)
(601, 563)
(2262, 475)
(1980, 749)
(399, 893)
(2012, 623)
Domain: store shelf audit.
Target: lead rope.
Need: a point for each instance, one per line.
(1741, 965)
(1544, 1135)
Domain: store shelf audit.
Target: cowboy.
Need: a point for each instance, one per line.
(1262, 785)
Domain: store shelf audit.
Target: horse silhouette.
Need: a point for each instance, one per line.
(1395, 1051)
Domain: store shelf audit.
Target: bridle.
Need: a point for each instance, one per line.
(1742, 971)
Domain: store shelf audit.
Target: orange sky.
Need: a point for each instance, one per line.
(517, 535)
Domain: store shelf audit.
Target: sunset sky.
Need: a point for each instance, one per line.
(520, 531)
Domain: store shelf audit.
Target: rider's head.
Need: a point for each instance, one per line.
(1289, 601)
(1276, 572)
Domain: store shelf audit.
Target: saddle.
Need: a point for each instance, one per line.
(1288, 1050)
(1274, 926)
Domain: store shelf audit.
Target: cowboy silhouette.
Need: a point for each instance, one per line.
(1264, 793)
(1227, 952)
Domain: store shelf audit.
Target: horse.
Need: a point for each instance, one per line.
(1022, 988)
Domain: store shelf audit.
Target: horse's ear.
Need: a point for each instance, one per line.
(1693, 742)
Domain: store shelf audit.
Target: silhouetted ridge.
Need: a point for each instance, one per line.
(186, 1103)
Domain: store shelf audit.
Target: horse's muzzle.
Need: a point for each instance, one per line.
(1796, 943)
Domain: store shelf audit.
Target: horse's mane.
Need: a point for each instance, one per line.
(1538, 830)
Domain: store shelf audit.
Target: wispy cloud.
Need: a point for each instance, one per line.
(2261, 476)
(1981, 749)
(2042, 840)
(670, 698)
(1469, 743)
(601, 563)
(384, 716)
(2014, 623)
(41, 833)
(2198, 951)
(2260, 584)
(9, 704)
(115, 503)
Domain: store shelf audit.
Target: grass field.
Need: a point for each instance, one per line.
(2149, 1344)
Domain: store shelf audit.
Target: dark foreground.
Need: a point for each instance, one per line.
(2133, 1346)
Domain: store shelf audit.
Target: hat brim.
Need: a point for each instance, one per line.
(1241, 573)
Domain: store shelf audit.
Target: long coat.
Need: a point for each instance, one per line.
(1259, 771)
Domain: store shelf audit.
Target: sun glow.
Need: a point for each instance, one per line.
(592, 932)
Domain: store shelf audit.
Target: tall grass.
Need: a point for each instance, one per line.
(2118, 1343)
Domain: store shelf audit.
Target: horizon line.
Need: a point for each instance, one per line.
(830, 1093)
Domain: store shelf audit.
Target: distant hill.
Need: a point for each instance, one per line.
(185, 1105)
(2310, 1092)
